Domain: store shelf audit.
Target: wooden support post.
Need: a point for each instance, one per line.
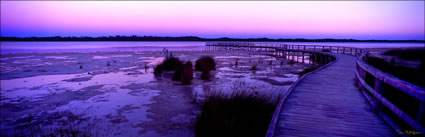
(421, 112)
(379, 88)
(296, 56)
(326, 59)
(303, 54)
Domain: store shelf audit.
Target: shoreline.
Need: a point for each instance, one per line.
(124, 96)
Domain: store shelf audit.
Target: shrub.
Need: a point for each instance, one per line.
(187, 73)
(243, 114)
(177, 75)
(325, 50)
(171, 63)
(205, 75)
(205, 63)
(407, 54)
(158, 69)
(254, 67)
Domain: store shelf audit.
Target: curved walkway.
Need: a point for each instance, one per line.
(327, 103)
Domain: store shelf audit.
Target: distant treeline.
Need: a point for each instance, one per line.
(187, 38)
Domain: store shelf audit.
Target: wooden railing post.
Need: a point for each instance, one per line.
(379, 88)
(303, 55)
(421, 112)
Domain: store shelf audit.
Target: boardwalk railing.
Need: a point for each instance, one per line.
(273, 46)
(399, 103)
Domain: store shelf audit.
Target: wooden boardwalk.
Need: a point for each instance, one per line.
(327, 103)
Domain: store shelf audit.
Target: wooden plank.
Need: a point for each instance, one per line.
(325, 104)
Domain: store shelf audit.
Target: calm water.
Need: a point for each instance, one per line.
(37, 47)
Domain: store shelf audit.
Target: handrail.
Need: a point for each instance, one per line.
(378, 100)
(373, 93)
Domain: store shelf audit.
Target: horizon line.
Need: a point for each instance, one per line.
(222, 37)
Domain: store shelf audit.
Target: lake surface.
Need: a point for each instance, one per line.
(44, 47)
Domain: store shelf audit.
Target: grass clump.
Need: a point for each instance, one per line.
(242, 114)
(205, 75)
(187, 73)
(407, 54)
(205, 63)
(413, 75)
(158, 69)
(254, 67)
(184, 73)
(177, 75)
(171, 63)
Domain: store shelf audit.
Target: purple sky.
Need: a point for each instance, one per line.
(398, 20)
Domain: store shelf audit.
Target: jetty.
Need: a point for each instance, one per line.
(344, 97)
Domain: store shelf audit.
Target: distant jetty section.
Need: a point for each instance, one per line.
(189, 38)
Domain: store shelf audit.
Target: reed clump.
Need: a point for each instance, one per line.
(171, 64)
(407, 54)
(187, 73)
(254, 68)
(242, 114)
(158, 69)
(412, 75)
(205, 75)
(205, 63)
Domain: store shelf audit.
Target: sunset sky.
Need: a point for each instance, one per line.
(393, 20)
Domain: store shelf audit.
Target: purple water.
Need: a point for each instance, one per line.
(45, 47)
